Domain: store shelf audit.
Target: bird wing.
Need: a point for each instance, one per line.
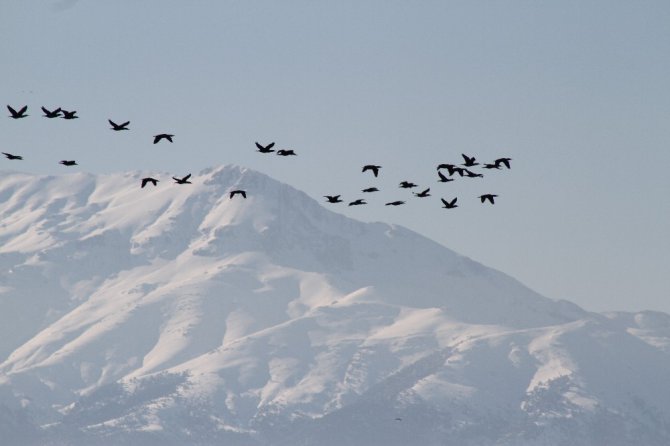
(144, 182)
(23, 110)
(112, 123)
(186, 177)
(125, 123)
(11, 110)
(269, 146)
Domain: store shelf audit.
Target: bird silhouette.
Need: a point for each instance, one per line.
(370, 189)
(265, 149)
(407, 184)
(469, 161)
(443, 178)
(68, 163)
(18, 114)
(238, 192)
(373, 168)
(445, 166)
(357, 202)
(9, 156)
(504, 161)
(69, 114)
(160, 136)
(182, 180)
(470, 174)
(449, 204)
(423, 193)
(395, 203)
(333, 198)
(117, 127)
(489, 197)
(51, 114)
(149, 180)
(491, 166)
(284, 152)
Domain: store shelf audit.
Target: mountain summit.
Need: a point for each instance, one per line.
(175, 315)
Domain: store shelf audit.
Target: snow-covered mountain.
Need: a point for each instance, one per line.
(176, 315)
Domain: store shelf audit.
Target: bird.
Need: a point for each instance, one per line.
(358, 202)
(333, 198)
(491, 166)
(266, 149)
(373, 168)
(18, 114)
(370, 189)
(395, 203)
(160, 136)
(117, 127)
(68, 163)
(12, 157)
(423, 193)
(407, 184)
(469, 161)
(51, 114)
(149, 180)
(238, 192)
(471, 174)
(504, 161)
(183, 180)
(445, 166)
(449, 204)
(443, 178)
(398, 419)
(284, 152)
(69, 114)
(489, 197)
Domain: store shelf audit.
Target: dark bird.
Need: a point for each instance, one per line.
(471, 174)
(68, 163)
(489, 197)
(117, 127)
(266, 149)
(395, 203)
(407, 184)
(491, 166)
(283, 152)
(443, 178)
(449, 204)
(373, 168)
(51, 114)
(504, 161)
(238, 192)
(423, 193)
(333, 198)
(370, 189)
(357, 202)
(182, 180)
(469, 161)
(69, 114)
(398, 419)
(445, 166)
(149, 180)
(160, 136)
(12, 157)
(18, 114)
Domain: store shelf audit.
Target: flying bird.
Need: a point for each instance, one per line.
(370, 189)
(238, 192)
(333, 198)
(443, 178)
(284, 152)
(469, 161)
(373, 168)
(12, 157)
(160, 136)
(504, 161)
(117, 127)
(407, 184)
(491, 166)
(182, 180)
(357, 202)
(423, 193)
(395, 203)
(51, 114)
(445, 166)
(69, 114)
(68, 163)
(18, 114)
(149, 180)
(489, 197)
(449, 204)
(265, 149)
(471, 174)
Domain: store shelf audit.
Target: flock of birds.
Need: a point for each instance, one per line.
(462, 170)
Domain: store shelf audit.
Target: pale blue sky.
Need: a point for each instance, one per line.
(576, 92)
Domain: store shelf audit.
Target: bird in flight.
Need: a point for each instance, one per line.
(489, 197)
(51, 114)
(18, 114)
(469, 161)
(69, 114)
(407, 184)
(504, 161)
(491, 166)
(117, 127)
(68, 163)
(445, 166)
(449, 204)
(149, 180)
(443, 178)
(182, 180)
(357, 202)
(373, 168)
(423, 193)
(265, 149)
(470, 174)
(284, 152)
(395, 203)
(370, 189)
(333, 198)
(9, 156)
(238, 192)
(160, 136)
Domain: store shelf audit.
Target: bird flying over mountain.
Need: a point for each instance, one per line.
(68, 163)
(488, 197)
(160, 136)
(182, 180)
(18, 114)
(373, 168)
(265, 149)
(149, 180)
(358, 202)
(333, 198)
(284, 152)
(51, 114)
(238, 192)
(117, 127)
(449, 204)
(9, 156)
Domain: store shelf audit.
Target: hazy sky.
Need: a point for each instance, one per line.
(576, 92)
